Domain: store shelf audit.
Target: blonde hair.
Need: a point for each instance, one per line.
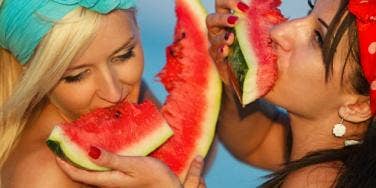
(24, 89)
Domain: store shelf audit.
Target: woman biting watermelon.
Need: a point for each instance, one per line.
(326, 136)
(60, 59)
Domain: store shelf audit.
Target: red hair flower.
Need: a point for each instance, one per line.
(365, 13)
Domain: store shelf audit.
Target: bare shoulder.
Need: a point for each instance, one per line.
(35, 169)
(320, 175)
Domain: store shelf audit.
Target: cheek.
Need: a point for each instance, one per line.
(302, 70)
(130, 72)
(130, 75)
(73, 99)
(301, 79)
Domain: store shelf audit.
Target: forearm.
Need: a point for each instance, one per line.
(242, 130)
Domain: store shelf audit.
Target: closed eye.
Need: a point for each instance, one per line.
(75, 78)
(318, 38)
(126, 56)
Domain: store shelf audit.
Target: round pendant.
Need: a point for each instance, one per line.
(339, 130)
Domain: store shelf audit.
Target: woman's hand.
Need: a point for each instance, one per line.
(133, 172)
(219, 25)
(194, 177)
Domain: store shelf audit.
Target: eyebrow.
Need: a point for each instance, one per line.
(323, 23)
(124, 46)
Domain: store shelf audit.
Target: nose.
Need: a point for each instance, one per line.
(110, 87)
(283, 34)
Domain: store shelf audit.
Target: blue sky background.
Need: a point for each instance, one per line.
(156, 19)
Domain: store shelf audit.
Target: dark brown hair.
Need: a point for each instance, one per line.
(358, 162)
(344, 24)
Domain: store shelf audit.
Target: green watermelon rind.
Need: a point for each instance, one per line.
(214, 89)
(214, 96)
(63, 147)
(199, 9)
(213, 92)
(248, 78)
(250, 81)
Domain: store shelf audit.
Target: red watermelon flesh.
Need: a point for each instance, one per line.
(194, 87)
(253, 64)
(124, 129)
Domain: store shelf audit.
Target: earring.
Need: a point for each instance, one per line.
(339, 129)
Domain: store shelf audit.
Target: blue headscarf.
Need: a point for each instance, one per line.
(24, 23)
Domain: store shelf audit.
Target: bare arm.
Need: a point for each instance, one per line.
(255, 134)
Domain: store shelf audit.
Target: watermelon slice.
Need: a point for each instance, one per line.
(253, 67)
(194, 88)
(125, 129)
(191, 108)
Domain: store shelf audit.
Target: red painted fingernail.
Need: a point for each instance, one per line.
(221, 49)
(94, 152)
(227, 35)
(243, 7)
(232, 19)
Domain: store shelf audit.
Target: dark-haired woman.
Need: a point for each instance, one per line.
(60, 59)
(325, 137)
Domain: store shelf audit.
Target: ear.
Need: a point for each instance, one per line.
(357, 110)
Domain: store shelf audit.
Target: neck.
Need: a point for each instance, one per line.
(42, 126)
(311, 135)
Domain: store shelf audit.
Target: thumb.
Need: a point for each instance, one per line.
(194, 173)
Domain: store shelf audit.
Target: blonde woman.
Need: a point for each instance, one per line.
(60, 59)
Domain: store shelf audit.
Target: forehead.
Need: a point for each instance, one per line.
(114, 30)
(116, 27)
(326, 9)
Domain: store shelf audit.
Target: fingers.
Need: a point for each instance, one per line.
(193, 178)
(125, 164)
(223, 17)
(126, 171)
(202, 183)
(218, 22)
(219, 25)
(226, 38)
(104, 158)
(219, 55)
(102, 179)
(225, 6)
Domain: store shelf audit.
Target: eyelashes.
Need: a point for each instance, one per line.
(128, 55)
(319, 38)
(75, 78)
(118, 60)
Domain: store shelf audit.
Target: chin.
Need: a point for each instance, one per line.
(275, 99)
